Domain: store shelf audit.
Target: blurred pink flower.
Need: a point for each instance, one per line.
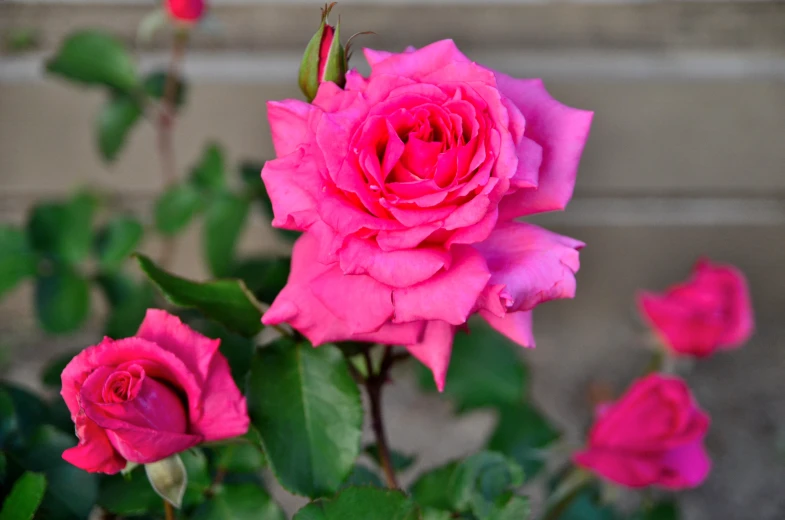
(652, 436)
(711, 311)
(144, 398)
(406, 184)
(188, 11)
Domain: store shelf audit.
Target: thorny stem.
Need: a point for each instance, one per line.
(164, 126)
(373, 385)
(169, 510)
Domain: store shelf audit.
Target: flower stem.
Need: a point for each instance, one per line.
(169, 511)
(374, 384)
(565, 493)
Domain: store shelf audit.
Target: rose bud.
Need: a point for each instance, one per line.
(144, 398)
(711, 311)
(652, 436)
(186, 11)
(324, 58)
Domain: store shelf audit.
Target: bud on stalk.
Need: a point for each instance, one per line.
(324, 58)
(186, 11)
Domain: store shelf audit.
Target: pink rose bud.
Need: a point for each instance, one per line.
(144, 398)
(711, 311)
(652, 436)
(187, 11)
(324, 58)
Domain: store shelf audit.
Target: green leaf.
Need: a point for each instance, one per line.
(523, 434)
(22, 413)
(481, 480)
(240, 458)
(400, 461)
(209, 173)
(266, 277)
(251, 174)
(485, 370)
(237, 349)
(364, 503)
(363, 476)
(63, 230)
(62, 300)
(17, 260)
(199, 481)
(240, 502)
(587, 505)
(659, 511)
(432, 489)
(436, 514)
(114, 123)
(25, 497)
(94, 58)
(155, 85)
(175, 208)
(307, 410)
(128, 495)
(516, 508)
(228, 302)
(117, 240)
(128, 303)
(223, 225)
(51, 373)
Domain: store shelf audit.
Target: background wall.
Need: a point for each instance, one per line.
(685, 159)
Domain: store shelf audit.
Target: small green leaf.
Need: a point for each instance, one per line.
(311, 443)
(63, 230)
(94, 58)
(481, 480)
(25, 497)
(119, 238)
(523, 434)
(228, 302)
(155, 85)
(62, 300)
(223, 225)
(240, 502)
(128, 495)
(364, 503)
(400, 461)
(363, 476)
(265, 277)
(168, 478)
(209, 174)
(51, 373)
(485, 370)
(114, 123)
(17, 260)
(175, 208)
(432, 489)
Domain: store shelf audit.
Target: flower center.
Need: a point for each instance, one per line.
(123, 385)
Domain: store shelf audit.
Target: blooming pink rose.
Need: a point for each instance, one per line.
(144, 398)
(710, 311)
(652, 436)
(188, 11)
(406, 184)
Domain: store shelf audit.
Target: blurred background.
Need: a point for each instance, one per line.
(686, 158)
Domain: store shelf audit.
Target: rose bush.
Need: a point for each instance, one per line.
(711, 311)
(144, 398)
(653, 435)
(406, 184)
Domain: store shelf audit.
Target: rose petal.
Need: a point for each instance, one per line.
(292, 124)
(515, 325)
(435, 349)
(94, 453)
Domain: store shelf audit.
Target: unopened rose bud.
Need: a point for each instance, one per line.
(186, 11)
(324, 58)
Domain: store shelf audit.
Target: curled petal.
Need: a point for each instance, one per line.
(435, 349)
(515, 325)
(94, 453)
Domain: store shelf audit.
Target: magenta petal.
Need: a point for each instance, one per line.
(529, 161)
(290, 124)
(561, 131)
(515, 325)
(94, 453)
(359, 301)
(689, 466)
(373, 56)
(143, 445)
(421, 62)
(293, 184)
(225, 412)
(434, 350)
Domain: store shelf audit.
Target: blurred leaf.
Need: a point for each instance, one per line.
(199, 480)
(209, 173)
(126, 316)
(237, 349)
(481, 480)
(228, 302)
(94, 58)
(307, 410)
(265, 277)
(485, 370)
(155, 86)
(25, 497)
(17, 260)
(128, 495)
(240, 502)
(363, 476)
(516, 508)
(62, 300)
(364, 503)
(223, 225)
(21, 415)
(587, 505)
(659, 511)
(114, 123)
(63, 230)
(168, 478)
(175, 208)
(436, 514)
(117, 240)
(152, 22)
(400, 461)
(240, 458)
(52, 370)
(523, 434)
(251, 174)
(20, 39)
(432, 489)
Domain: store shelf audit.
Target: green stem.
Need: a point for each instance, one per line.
(569, 488)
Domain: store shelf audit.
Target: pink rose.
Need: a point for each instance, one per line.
(652, 436)
(406, 184)
(188, 11)
(710, 311)
(144, 398)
